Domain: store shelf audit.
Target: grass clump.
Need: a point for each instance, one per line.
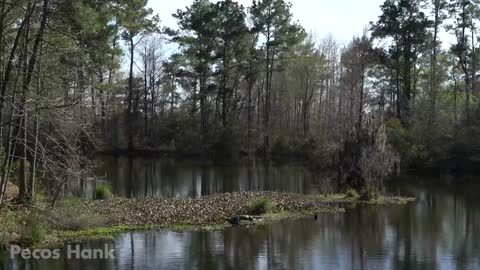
(8, 225)
(33, 234)
(101, 232)
(103, 192)
(31, 229)
(23, 227)
(351, 194)
(260, 207)
(71, 221)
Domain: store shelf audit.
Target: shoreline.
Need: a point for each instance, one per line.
(76, 220)
(452, 166)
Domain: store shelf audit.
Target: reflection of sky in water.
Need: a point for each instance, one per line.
(439, 231)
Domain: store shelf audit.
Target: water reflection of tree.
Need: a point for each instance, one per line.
(361, 231)
(143, 177)
(436, 231)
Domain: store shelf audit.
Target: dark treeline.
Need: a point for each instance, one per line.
(243, 80)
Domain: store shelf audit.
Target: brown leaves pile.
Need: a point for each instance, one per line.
(214, 209)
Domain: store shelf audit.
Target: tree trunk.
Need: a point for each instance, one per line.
(129, 118)
(33, 165)
(433, 73)
(103, 111)
(11, 58)
(145, 97)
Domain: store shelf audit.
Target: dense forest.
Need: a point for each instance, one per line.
(88, 76)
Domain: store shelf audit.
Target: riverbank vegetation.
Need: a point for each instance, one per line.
(77, 219)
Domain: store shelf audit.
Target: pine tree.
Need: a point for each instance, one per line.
(406, 23)
(273, 19)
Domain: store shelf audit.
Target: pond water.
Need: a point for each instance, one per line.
(441, 230)
(139, 177)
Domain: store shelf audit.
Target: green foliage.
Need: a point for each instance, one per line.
(309, 148)
(399, 20)
(31, 230)
(298, 147)
(273, 18)
(282, 146)
(465, 151)
(399, 137)
(260, 207)
(227, 146)
(136, 18)
(102, 232)
(351, 194)
(103, 192)
(34, 233)
(370, 194)
(404, 143)
(187, 142)
(3, 241)
(196, 35)
(71, 221)
(8, 225)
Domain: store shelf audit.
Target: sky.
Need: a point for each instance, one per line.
(342, 18)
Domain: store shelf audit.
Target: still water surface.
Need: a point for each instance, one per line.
(441, 230)
(134, 178)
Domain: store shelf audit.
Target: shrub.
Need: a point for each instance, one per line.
(352, 193)
(308, 148)
(33, 234)
(399, 137)
(3, 241)
(281, 146)
(326, 156)
(23, 226)
(6, 224)
(260, 207)
(32, 230)
(370, 194)
(227, 145)
(103, 192)
(378, 160)
(366, 158)
(187, 142)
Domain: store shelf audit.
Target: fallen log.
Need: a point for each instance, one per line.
(236, 220)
